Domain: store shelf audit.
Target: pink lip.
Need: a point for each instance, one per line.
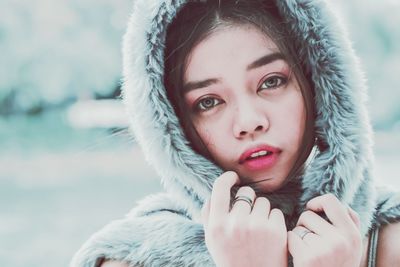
(252, 150)
(261, 162)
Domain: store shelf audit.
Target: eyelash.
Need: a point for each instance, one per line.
(282, 81)
(216, 102)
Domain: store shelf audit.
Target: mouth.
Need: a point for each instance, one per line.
(259, 157)
(259, 154)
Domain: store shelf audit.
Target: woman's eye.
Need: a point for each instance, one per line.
(273, 82)
(207, 103)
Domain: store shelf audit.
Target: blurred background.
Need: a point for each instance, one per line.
(67, 163)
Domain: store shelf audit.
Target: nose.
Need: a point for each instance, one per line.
(249, 121)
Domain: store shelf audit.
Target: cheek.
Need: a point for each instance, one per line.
(214, 135)
(292, 121)
(207, 132)
(298, 121)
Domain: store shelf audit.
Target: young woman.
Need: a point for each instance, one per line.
(253, 114)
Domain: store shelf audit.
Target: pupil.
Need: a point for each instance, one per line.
(271, 82)
(208, 102)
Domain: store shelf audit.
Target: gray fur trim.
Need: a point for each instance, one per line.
(158, 238)
(388, 208)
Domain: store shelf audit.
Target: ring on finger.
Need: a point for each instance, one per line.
(243, 198)
(303, 233)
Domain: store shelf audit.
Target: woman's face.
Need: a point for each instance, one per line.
(245, 104)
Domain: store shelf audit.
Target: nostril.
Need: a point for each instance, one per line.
(259, 128)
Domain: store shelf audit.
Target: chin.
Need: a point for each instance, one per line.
(265, 184)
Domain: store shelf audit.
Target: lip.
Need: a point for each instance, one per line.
(258, 148)
(261, 162)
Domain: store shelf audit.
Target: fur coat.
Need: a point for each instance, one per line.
(165, 229)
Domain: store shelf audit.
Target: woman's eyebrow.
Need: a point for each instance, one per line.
(199, 84)
(266, 60)
(187, 87)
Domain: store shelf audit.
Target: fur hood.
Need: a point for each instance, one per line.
(164, 229)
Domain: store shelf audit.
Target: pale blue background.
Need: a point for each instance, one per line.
(60, 181)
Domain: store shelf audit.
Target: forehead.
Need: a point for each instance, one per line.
(226, 47)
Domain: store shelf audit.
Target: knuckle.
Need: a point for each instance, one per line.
(277, 212)
(247, 190)
(331, 198)
(278, 217)
(263, 200)
(305, 215)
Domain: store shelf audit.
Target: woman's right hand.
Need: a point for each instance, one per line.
(243, 235)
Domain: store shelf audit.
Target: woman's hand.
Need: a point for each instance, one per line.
(316, 242)
(244, 235)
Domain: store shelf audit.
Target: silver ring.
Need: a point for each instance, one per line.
(304, 233)
(243, 198)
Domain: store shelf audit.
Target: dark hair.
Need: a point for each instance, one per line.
(198, 19)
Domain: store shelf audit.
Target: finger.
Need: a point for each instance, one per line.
(276, 217)
(354, 217)
(315, 223)
(333, 208)
(221, 194)
(297, 248)
(205, 212)
(240, 206)
(306, 235)
(261, 208)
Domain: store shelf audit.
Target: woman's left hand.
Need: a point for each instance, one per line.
(316, 242)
